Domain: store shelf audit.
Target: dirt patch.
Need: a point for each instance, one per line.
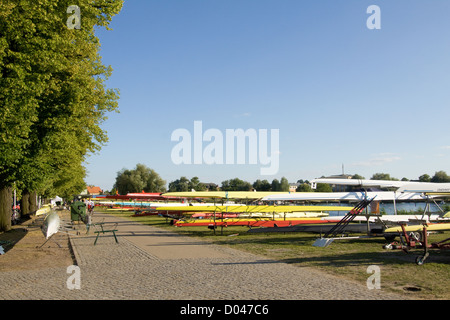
(25, 249)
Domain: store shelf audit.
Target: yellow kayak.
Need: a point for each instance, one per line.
(415, 228)
(223, 194)
(248, 209)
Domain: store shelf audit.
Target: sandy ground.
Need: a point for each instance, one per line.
(25, 249)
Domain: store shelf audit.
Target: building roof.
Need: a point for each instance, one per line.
(93, 190)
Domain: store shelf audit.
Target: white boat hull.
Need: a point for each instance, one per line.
(51, 225)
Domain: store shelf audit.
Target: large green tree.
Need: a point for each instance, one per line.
(139, 179)
(440, 176)
(53, 97)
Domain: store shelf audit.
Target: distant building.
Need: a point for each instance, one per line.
(293, 187)
(94, 190)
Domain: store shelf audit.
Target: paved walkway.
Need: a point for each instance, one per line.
(150, 263)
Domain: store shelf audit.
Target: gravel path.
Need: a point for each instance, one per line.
(150, 263)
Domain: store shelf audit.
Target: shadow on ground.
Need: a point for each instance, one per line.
(10, 238)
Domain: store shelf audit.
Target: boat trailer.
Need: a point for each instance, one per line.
(417, 240)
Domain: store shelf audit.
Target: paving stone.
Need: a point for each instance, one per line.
(137, 268)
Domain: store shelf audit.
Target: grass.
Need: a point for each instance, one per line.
(345, 258)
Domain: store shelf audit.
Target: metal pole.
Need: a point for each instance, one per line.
(395, 206)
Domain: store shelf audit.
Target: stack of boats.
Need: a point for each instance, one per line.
(239, 208)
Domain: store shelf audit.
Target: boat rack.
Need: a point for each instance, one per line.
(330, 236)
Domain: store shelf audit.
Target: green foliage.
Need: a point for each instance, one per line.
(440, 176)
(53, 89)
(184, 184)
(53, 97)
(382, 176)
(262, 185)
(284, 184)
(276, 185)
(139, 179)
(180, 185)
(236, 184)
(304, 187)
(425, 178)
(323, 187)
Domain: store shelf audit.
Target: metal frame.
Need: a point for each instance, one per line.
(419, 240)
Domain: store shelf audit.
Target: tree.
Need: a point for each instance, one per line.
(382, 176)
(128, 182)
(262, 185)
(236, 184)
(304, 187)
(284, 184)
(6, 201)
(323, 187)
(179, 185)
(196, 185)
(17, 100)
(139, 179)
(357, 176)
(69, 181)
(53, 98)
(152, 180)
(440, 176)
(425, 178)
(184, 184)
(276, 185)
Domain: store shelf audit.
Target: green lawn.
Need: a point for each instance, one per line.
(347, 258)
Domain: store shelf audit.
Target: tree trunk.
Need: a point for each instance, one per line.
(24, 203)
(5, 208)
(32, 201)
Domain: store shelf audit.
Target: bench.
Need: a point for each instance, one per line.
(103, 231)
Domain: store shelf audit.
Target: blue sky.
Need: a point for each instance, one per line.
(338, 92)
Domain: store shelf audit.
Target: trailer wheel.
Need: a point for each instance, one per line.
(420, 261)
(416, 236)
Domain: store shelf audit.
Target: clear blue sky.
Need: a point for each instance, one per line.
(339, 93)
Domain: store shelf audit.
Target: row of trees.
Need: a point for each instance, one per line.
(438, 177)
(237, 184)
(53, 98)
(142, 178)
(145, 179)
